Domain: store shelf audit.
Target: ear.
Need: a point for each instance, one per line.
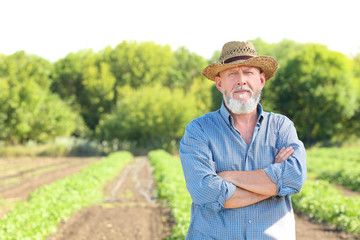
(262, 80)
(218, 83)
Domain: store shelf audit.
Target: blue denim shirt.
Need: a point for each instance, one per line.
(212, 144)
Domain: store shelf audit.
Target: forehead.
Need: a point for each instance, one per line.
(242, 68)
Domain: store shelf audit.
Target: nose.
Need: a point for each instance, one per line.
(241, 80)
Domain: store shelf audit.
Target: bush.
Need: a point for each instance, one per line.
(28, 110)
(150, 116)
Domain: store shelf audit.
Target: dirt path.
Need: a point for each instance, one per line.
(129, 211)
(307, 230)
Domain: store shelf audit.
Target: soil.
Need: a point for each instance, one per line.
(130, 210)
(306, 229)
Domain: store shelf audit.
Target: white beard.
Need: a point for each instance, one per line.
(239, 107)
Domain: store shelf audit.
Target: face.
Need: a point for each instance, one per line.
(241, 87)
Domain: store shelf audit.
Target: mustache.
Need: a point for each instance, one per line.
(246, 88)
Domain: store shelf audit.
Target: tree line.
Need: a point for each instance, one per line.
(144, 94)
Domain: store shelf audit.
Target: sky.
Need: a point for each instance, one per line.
(54, 28)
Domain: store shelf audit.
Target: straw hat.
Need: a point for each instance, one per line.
(240, 54)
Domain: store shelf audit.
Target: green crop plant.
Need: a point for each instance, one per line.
(336, 165)
(171, 186)
(326, 204)
(47, 206)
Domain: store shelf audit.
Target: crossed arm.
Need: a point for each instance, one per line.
(252, 186)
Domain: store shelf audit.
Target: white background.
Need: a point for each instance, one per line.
(54, 28)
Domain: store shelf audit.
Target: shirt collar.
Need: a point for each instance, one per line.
(229, 119)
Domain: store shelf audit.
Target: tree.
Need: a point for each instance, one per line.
(151, 116)
(353, 124)
(314, 89)
(186, 68)
(140, 64)
(98, 93)
(28, 110)
(87, 83)
(282, 52)
(21, 67)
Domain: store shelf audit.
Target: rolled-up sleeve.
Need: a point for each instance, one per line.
(290, 175)
(204, 185)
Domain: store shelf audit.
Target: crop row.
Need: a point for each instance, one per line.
(171, 186)
(13, 180)
(319, 199)
(326, 204)
(47, 206)
(336, 165)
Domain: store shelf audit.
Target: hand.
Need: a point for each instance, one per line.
(284, 154)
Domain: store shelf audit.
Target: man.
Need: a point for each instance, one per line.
(241, 164)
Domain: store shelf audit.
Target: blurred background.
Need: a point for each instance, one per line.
(115, 75)
(80, 80)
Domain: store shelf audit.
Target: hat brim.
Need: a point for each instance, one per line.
(266, 63)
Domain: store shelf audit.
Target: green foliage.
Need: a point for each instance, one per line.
(312, 82)
(282, 52)
(151, 116)
(47, 206)
(217, 98)
(68, 74)
(171, 186)
(98, 94)
(324, 203)
(91, 81)
(201, 92)
(314, 89)
(22, 68)
(185, 70)
(138, 64)
(28, 110)
(337, 165)
(87, 83)
(353, 124)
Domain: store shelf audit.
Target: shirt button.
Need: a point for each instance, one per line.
(250, 221)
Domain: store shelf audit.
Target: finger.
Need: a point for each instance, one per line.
(278, 155)
(284, 154)
(281, 152)
(288, 153)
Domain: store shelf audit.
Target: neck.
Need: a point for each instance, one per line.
(245, 118)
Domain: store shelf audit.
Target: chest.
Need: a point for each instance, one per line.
(235, 150)
(246, 132)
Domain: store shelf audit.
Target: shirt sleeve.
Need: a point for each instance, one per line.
(204, 185)
(290, 175)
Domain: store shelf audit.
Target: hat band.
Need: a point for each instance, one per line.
(233, 59)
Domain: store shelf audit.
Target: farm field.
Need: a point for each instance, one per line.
(338, 211)
(21, 176)
(128, 211)
(146, 199)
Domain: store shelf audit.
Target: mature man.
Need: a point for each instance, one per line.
(241, 164)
